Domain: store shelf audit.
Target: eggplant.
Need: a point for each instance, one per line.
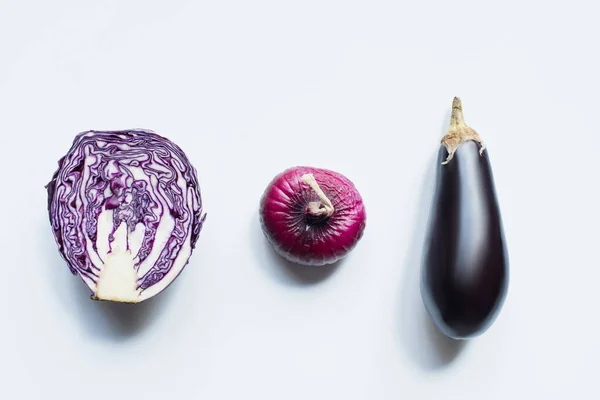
(465, 270)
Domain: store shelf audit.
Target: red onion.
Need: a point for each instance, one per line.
(312, 216)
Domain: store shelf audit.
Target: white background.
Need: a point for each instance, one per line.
(248, 89)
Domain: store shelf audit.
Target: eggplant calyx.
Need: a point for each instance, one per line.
(459, 132)
(323, 208)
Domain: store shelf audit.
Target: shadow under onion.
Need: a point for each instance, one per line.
(283, 270)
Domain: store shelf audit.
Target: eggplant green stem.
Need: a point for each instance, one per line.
(318, 208)
(459, 132)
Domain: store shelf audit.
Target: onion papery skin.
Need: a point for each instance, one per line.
(302, 237)
(126, 212)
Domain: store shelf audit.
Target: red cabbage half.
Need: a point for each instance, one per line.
(126, 212)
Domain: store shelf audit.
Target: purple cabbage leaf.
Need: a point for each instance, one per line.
(126, 212)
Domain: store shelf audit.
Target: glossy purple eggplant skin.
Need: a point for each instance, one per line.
(465, 273)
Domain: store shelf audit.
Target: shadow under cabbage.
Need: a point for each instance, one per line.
(116, 321)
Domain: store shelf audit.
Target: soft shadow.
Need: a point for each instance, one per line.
(108, 320)
(119, 321)
(423, 342)
(283, 270)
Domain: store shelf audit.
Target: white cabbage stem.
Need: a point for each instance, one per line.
(118, 277)
(318, 208)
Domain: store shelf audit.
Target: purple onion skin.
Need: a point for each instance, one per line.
(298, 234)
(465, 272)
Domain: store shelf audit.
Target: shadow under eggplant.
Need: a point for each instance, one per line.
(424, 343)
